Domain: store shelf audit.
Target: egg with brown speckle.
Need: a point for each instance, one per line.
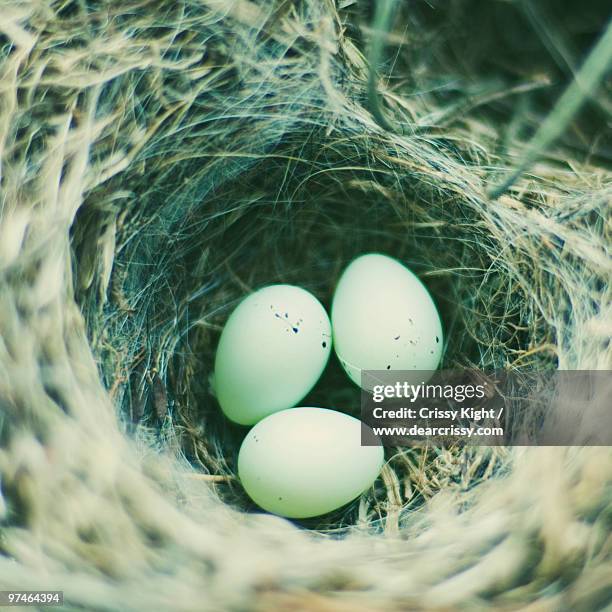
(383, 318)
(272, 351)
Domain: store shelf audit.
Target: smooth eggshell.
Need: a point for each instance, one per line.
(383, 318)
(272, 351)
(305, 462)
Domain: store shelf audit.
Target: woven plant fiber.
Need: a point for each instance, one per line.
(161, 159)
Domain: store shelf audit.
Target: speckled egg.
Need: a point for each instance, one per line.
(383, 318)
(272, 351)
(305, 462)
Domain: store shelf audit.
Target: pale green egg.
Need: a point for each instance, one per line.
(304, 462)
(383, 318)
(272, 351)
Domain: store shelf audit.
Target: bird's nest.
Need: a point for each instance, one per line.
(160, 160)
